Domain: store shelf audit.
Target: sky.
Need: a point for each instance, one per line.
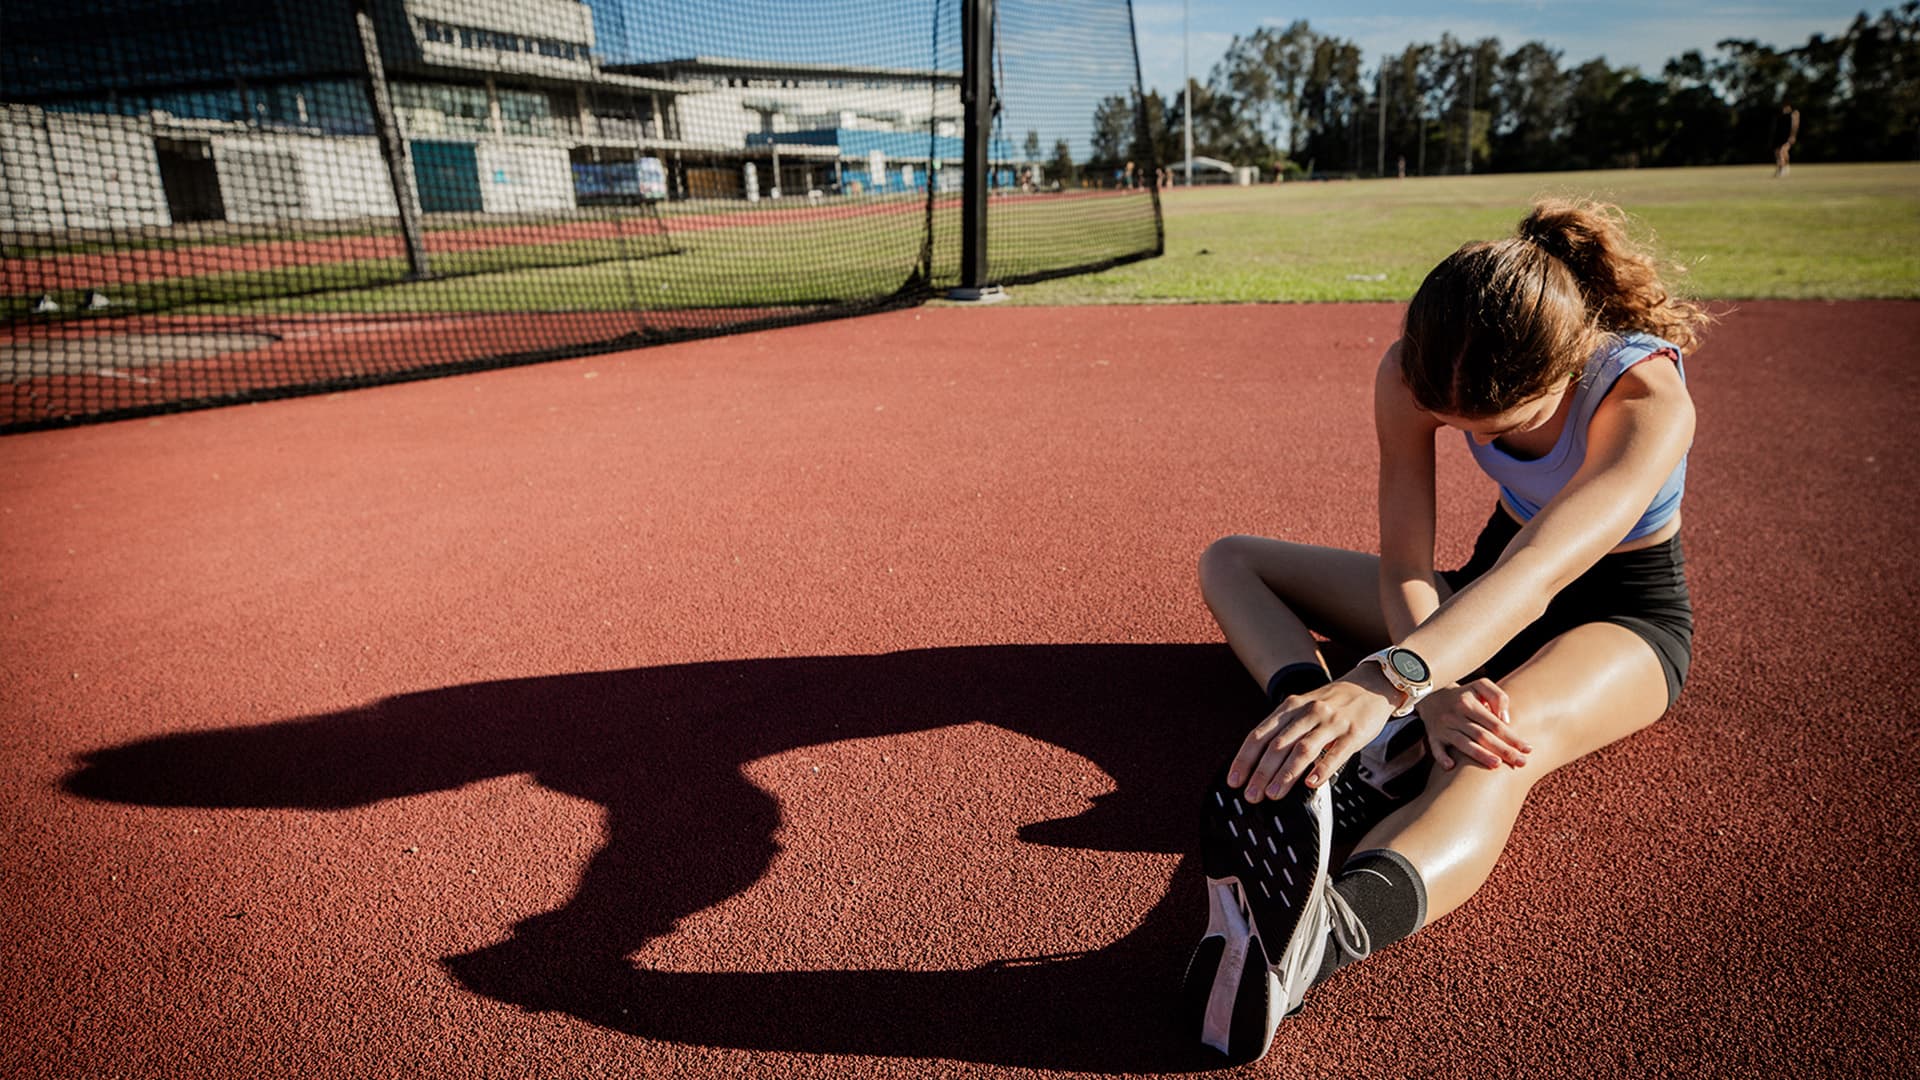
(1641, 32)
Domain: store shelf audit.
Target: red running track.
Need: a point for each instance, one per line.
(831, 702)
(101, 270)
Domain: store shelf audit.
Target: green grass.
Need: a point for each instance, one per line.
(1828, 232)
(755, 263)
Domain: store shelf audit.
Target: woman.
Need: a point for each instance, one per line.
(1557, 352)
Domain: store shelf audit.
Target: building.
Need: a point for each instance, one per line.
(223, 110)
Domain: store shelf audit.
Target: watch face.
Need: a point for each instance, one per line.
(1409, 665)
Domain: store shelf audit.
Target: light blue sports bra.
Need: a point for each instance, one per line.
(1529, 485)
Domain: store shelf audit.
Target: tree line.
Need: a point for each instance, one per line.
(1292, 100)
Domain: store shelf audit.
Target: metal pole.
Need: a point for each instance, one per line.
(1380, 94)
(393, 146)
(1473, 85)
(1186, 82)
(976, 96)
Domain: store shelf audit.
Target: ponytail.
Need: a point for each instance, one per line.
(1500, 322)
(1619, 280)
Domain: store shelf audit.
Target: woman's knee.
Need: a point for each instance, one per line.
(1233, 563)
(1224, 558)
(1584, 690)
(1486, 788)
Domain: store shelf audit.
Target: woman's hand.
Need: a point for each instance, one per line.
(1318, 730)
(1470, 722)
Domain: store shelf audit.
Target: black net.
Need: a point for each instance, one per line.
(1077, 189)
(206, 201)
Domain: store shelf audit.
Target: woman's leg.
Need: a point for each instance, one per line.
(1590, 686)
(1266, 594)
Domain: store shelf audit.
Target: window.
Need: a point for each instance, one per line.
(474, 37)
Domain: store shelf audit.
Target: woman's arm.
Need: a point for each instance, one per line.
(1408, 593)
(1637, 437)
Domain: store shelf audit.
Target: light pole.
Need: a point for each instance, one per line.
(1473, 87)
(1186, 85)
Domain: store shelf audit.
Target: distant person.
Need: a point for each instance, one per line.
(1129, 176)
(1786, 131)
(1556, 353)
(1402, 164)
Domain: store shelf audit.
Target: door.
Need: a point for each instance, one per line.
(448, 174)
(188, 177)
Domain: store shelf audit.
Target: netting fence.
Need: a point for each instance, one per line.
(212, 201)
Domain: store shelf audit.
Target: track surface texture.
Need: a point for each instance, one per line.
(835, 701)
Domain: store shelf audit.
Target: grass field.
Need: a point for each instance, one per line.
(723, 255)
(1825, 232)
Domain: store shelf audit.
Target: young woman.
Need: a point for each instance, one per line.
(1557, 352)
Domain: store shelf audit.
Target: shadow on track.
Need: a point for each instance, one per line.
(662, 750)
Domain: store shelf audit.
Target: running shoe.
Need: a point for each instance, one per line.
(1270, 911)
(1387, 774)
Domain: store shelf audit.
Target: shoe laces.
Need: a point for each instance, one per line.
(1348, 931)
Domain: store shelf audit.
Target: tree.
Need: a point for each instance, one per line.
(1407, 91)
(1161, 147)
(1114, 130)
(1697, 125)
(1881, 117)
(1296, 95)
(1031, 151)
(1442, 83)
(1529, 107)
(1062, 170)
(1596, 133)
(1265, 72)
(1220, 129)
(1333, 99)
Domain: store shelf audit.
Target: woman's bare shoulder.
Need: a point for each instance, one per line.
(1394, 406)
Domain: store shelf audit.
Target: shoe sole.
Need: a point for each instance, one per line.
(1265, 864)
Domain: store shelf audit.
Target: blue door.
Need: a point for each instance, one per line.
(448, 175)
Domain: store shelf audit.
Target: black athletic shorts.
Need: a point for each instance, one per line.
(1644, 591)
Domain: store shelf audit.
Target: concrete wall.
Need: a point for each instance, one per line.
(260, 178)
(78, 171)
(271, 177)
(346, 178)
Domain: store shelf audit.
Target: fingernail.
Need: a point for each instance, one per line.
(1234, 779)
(1314, 780)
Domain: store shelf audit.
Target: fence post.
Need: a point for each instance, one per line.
(976, 97)
(393, 146)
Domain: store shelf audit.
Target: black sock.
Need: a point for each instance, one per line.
(1388, 897)
(1295, 679)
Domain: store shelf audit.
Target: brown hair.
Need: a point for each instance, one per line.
(1500, 322)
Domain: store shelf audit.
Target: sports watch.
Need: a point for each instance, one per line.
(1407, 672)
